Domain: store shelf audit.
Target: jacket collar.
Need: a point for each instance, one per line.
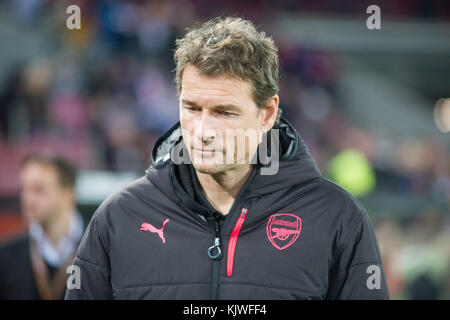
(296, 166)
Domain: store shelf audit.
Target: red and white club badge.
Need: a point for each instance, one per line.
(283, 229)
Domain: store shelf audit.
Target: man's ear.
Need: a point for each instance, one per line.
(270, 111)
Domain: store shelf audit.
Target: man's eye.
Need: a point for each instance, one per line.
(192, 108)
(227, 114)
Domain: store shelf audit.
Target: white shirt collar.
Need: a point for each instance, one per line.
(58, 255)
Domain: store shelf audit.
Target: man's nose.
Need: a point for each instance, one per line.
(204, 128)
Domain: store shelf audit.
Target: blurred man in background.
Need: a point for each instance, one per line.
(33, 266)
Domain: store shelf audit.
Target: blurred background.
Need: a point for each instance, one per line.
(372, 105)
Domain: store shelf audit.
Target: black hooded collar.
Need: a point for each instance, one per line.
(296, 166)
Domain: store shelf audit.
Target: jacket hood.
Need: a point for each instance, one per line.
(295, 165)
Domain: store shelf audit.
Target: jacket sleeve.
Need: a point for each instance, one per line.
(357, 271)
(92, 265)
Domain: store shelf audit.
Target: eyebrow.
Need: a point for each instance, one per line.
(219, 106)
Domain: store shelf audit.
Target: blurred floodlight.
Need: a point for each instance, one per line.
(442, 114)
(352, 170)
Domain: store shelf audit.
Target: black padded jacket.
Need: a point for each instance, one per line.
(291, 235)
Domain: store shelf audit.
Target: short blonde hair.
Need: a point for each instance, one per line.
(231, 47)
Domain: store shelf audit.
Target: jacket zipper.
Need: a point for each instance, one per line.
(215, 253)
(216, 263)
(233, 240)
(218, 233)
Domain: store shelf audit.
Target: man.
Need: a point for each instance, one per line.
(34, 265)
(211, 219)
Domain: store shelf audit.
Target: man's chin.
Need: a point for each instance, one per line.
(210, 168)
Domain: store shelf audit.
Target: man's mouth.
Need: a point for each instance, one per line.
(205, 152)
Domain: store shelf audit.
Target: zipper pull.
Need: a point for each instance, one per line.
(214, 252)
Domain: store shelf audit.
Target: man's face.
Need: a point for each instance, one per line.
(212, 110)
(41, 194)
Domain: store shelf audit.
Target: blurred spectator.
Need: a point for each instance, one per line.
(33, 265)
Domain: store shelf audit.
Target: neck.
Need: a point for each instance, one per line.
(222, 189)
(57, 226)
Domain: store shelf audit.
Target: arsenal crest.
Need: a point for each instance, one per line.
(283, 229)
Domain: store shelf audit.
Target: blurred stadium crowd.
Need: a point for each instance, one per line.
(106, 93)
